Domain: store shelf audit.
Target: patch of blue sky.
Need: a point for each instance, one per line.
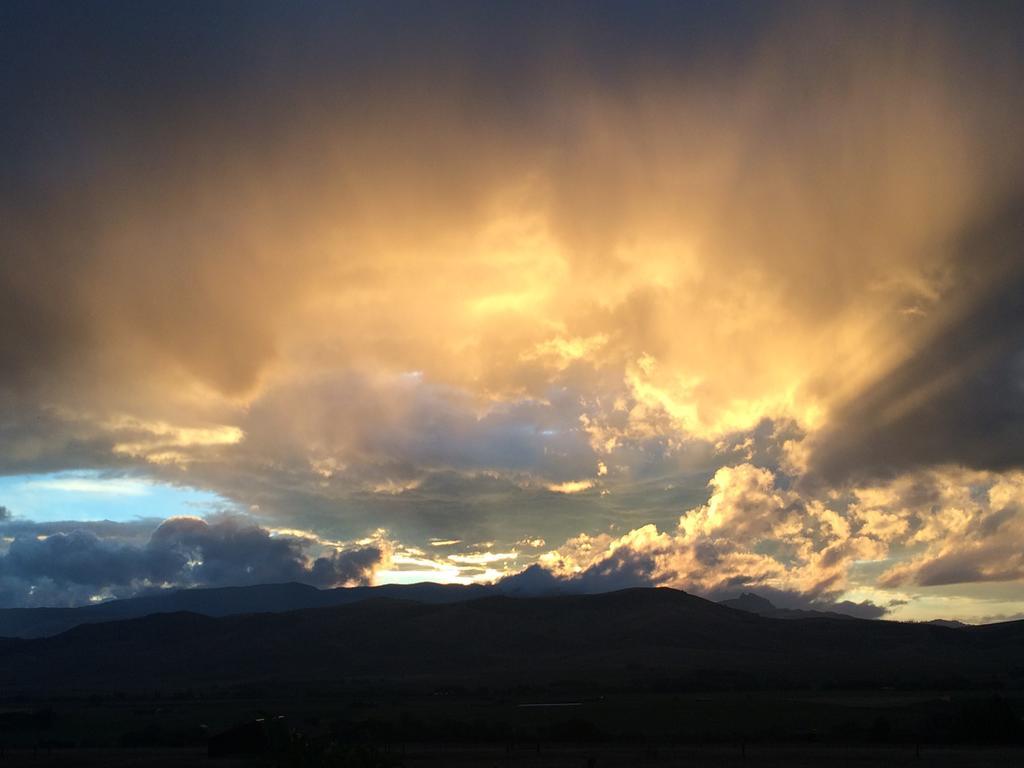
(92, 495)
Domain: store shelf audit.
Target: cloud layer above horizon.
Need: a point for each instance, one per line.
(708, 295)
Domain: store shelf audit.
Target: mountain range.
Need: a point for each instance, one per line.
(223, 601)
(649, 637)
(277, 598)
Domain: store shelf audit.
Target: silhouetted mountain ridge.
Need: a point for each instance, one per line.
(222, 601)
(644, 636)
(752, 603)
(292, 596)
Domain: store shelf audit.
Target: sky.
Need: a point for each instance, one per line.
(719, 296)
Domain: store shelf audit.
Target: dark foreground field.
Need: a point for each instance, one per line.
(527, 728)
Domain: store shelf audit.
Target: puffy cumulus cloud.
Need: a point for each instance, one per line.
(941, 527)
(69, 563)
(750, 532)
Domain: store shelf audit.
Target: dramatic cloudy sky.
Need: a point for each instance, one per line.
(718, 296)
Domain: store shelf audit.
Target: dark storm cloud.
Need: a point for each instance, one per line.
(353, 566)
(999, 559)
(230, 552)
(996, 562)
(108, 558)
(81, 557)
(959, 398)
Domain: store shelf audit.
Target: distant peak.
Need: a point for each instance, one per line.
(748, 601)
